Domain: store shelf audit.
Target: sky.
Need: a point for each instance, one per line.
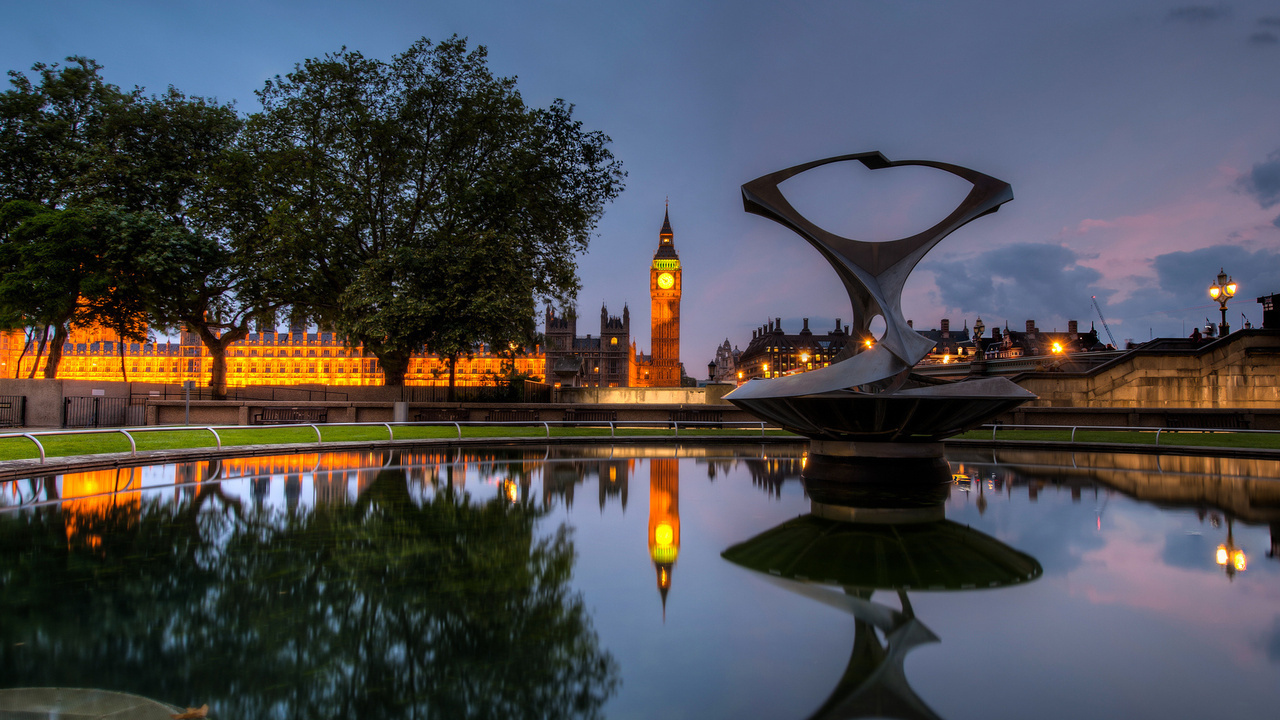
(1141, 138)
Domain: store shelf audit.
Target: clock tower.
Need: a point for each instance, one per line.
(664, 296)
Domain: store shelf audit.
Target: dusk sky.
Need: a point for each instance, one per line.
(1141, 138)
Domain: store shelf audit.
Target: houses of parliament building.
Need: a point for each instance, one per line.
(298, 357)
(611, 359)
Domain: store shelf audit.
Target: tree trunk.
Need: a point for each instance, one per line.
(28, 337)
(120, 344)
(217, 347)
(55, 351)
(395, 363)
(453, 378)
(44, 338)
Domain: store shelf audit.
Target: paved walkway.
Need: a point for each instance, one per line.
(75, 703)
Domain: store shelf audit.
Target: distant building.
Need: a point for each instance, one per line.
(267, 357)
(724, 369)
(1035, 342)
(772, 352)
(949, 345)
(602, 360)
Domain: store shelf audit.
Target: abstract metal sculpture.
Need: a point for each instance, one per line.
(869, 394)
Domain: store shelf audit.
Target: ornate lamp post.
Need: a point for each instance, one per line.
(1222, 291)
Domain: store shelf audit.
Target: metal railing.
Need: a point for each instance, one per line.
(1121, 428)
(218, 431)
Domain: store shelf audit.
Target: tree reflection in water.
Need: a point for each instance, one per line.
(382, 608)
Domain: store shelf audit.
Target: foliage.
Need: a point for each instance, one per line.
(426, 203)
(170, 169)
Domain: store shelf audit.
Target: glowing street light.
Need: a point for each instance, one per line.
(1222, 291)
(1057, 348)
(1230, 557)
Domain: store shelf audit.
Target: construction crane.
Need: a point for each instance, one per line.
(1110, 337)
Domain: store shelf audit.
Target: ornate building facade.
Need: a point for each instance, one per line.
(296, 357)
(662, 368)
(773, 352)
(600, 361)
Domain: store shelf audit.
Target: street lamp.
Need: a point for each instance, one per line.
(1222, 291)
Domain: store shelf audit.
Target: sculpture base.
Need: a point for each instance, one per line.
(877, 516)
(923, 414)
(865, 449)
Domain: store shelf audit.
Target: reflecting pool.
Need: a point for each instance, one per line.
(651, 581)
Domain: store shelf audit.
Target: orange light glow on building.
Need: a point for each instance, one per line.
(664, 520)
(92, 495)
(267, 358)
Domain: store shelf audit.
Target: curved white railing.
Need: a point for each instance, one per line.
(546, 425)
(1157, 431)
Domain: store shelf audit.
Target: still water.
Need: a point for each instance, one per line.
(641, 582)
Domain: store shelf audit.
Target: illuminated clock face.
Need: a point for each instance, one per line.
(666, 280)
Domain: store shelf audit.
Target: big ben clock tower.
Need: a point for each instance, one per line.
(664, 295)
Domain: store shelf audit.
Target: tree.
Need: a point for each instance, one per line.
(422, 202)
(69, 266)
(170, 168)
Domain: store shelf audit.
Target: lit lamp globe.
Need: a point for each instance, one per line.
(1222, 291)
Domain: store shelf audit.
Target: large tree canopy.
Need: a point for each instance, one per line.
(125, 208)
(424, 203)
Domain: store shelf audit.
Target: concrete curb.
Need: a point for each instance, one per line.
(19, 469)
(1126, 448)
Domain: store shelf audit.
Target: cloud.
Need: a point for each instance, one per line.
(1263, 181)
(1263, 38)
(1036, 278)
(1257, 272)
(1200, 14)
(1269, 21)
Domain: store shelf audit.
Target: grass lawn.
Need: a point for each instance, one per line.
(1180, 438)
(94, 442)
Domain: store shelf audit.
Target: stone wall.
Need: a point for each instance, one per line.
(1240, 371)
(631, 395)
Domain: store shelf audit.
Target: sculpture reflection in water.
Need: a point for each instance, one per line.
(868, 395)
(866, 535)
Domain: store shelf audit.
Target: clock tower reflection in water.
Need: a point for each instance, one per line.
(664, 520)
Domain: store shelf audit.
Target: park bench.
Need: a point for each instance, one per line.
(583, 416)
(442, 415)
(291, 416)
(512, 416)
(695, 418)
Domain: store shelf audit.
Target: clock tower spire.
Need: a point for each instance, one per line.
(664, 296)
